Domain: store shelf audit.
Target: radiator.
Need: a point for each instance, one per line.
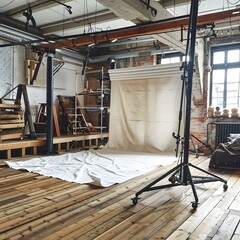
(223, 131)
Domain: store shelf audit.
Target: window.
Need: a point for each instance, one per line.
(169, 58)
(225, 76)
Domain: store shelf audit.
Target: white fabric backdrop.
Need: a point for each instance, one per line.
(144, 113)
(144, 108)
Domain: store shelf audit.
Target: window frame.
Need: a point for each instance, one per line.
(225, 66)
(169, 55)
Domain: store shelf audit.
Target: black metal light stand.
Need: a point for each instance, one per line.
(180, 174)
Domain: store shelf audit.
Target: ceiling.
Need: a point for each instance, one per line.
(61, 19)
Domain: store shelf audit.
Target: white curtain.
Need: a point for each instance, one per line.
(145, 105)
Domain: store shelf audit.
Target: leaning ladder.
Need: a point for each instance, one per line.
(72, 114)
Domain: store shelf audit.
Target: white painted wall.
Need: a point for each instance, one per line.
(12, 73)
(6, 69)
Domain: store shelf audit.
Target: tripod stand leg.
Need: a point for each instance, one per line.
(194, 204)
(148, 187)
(215, 177)
(211, 174)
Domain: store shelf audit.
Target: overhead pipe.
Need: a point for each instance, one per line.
(125, 54)
(139, 30)
(9, 37)
(129, 41)
(20, 26)
(14, 33)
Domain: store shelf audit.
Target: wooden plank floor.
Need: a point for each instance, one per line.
(38, 207)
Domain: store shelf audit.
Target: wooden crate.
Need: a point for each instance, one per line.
(11, 121)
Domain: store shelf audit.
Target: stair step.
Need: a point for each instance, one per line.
(9, 99)
(10, 106)
(72, 114)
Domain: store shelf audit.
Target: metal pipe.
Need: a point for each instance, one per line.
(49, 93)
(127, 54)
(191, 53)
(129, 41)
(139, 30)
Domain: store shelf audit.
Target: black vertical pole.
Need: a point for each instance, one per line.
(49, 104)
(181, 175)
(28, 114)
(190, 64)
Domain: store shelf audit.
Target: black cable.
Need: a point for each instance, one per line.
(68, 7)
(174, 8)
(95, 15)
(230, 20)
(28, 14)
(85, 8)
(233, 3)
(7, 4)
(153, 10)
(184, 88)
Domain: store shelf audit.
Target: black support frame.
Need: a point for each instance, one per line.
(49, 93)
(180, 175)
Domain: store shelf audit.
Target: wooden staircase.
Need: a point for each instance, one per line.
(13, 118)
(11, 121)
(72, 117)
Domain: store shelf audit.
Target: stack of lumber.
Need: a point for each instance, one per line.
(11, 121)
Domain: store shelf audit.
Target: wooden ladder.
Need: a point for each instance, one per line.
(72, 115)
(41, 119)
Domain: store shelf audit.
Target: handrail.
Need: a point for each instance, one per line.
(10, 91)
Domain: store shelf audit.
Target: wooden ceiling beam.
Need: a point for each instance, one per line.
(140, 30)
(174, 3)
(74, 23)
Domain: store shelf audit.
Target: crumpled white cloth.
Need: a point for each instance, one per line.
(103, 168)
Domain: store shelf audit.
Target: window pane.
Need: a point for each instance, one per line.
(217, 90)
(183, 59)
(232, 87)
(175, 59)
(233, 56)
(218, 57)
(217, 102)
(226, 77)
(232, 94)
(218, 76)
(233, 75)
(232, 102)
(165, 60)
(232, 106)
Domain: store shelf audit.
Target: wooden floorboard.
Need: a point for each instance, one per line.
(39, 207)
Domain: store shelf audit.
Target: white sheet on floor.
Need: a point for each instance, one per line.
(144, 114)
(103, 168)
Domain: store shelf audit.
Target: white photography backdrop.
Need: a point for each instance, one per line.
(145, 105)
(144, 114)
